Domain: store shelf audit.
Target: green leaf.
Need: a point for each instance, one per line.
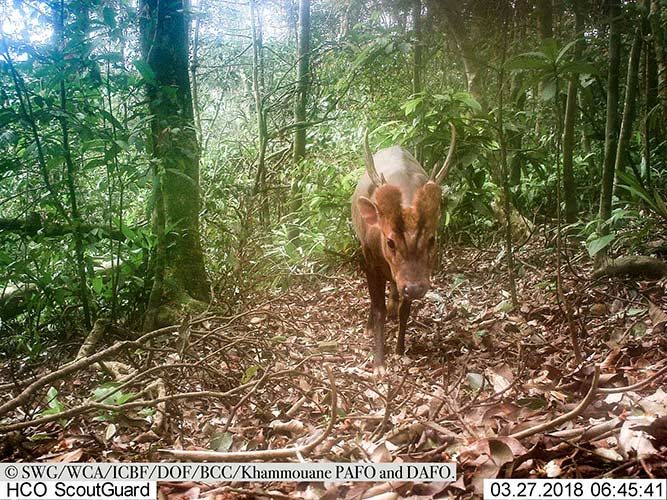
(97, 284)
(145, 71)
(579, 67)
(53, 403)
(564, 51)
(660, 204)
(548, 90)
(109, 17)
(410, 106)
(600, 243)
(528, 61)
(656, 203)
(128, 233)
(52, 397)
(468, 100)
(550, 49)
(249, 374)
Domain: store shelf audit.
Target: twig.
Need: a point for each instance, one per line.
(250, 493)
(160, 418)
(623, 466)
(79, 364)
(90, 406)
(589, 432)
(634, 387)
(567, 416)
(246, 456)
(245, 397)
(388, 406)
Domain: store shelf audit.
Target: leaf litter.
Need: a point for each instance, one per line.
(476, 373)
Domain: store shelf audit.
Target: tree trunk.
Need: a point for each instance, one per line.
(569, 186)
(505, 173)
(660, 44)
(611, 127)
(545, 30)
(417, 62)
(300, 101)
(194, 65)
(164, 33)
(59, 13)
(518, 100)
(473, 68)
(257, 85)
(632, 82)
(650, 101)
(545, 18)
(303, 80)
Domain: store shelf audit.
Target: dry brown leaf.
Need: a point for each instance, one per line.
(500, 452)
(147, 437)
(69, 457)
(633, 441)
(381, 454)
(608, 454)
(552, 468)
(598, 309)
(655, 405)
(488, 469)
(501, 376)
(658, 317)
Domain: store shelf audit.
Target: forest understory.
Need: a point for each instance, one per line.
(495, 389)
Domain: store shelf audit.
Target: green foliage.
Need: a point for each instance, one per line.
(54, 406)
(652, 199)
(597, 244)
(361, 75)
(550, 66)
(109, 394)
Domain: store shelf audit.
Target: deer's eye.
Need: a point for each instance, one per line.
(391, 244)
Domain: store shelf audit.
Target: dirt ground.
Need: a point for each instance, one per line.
(495, 389)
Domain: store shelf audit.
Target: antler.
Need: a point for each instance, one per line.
(442, 173)
(370, 164)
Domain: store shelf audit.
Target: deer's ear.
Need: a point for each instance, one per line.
(368, 211)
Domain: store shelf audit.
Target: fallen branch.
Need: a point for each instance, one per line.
(247, 456)
(248, 493)
(96, 333)
(635, 266)
(589, 432)
(160, 409)
(79, 364)
(246, 396)
(90, 406)
(567, 416)
(634, 387)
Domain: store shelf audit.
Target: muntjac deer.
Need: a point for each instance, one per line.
(395, 213)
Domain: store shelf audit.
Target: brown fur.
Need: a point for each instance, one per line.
(424, 213)
(427, 204)
(388, 200)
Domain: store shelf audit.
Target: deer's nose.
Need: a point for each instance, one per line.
(414, 291)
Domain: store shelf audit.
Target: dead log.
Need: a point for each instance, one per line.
(635, 266)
